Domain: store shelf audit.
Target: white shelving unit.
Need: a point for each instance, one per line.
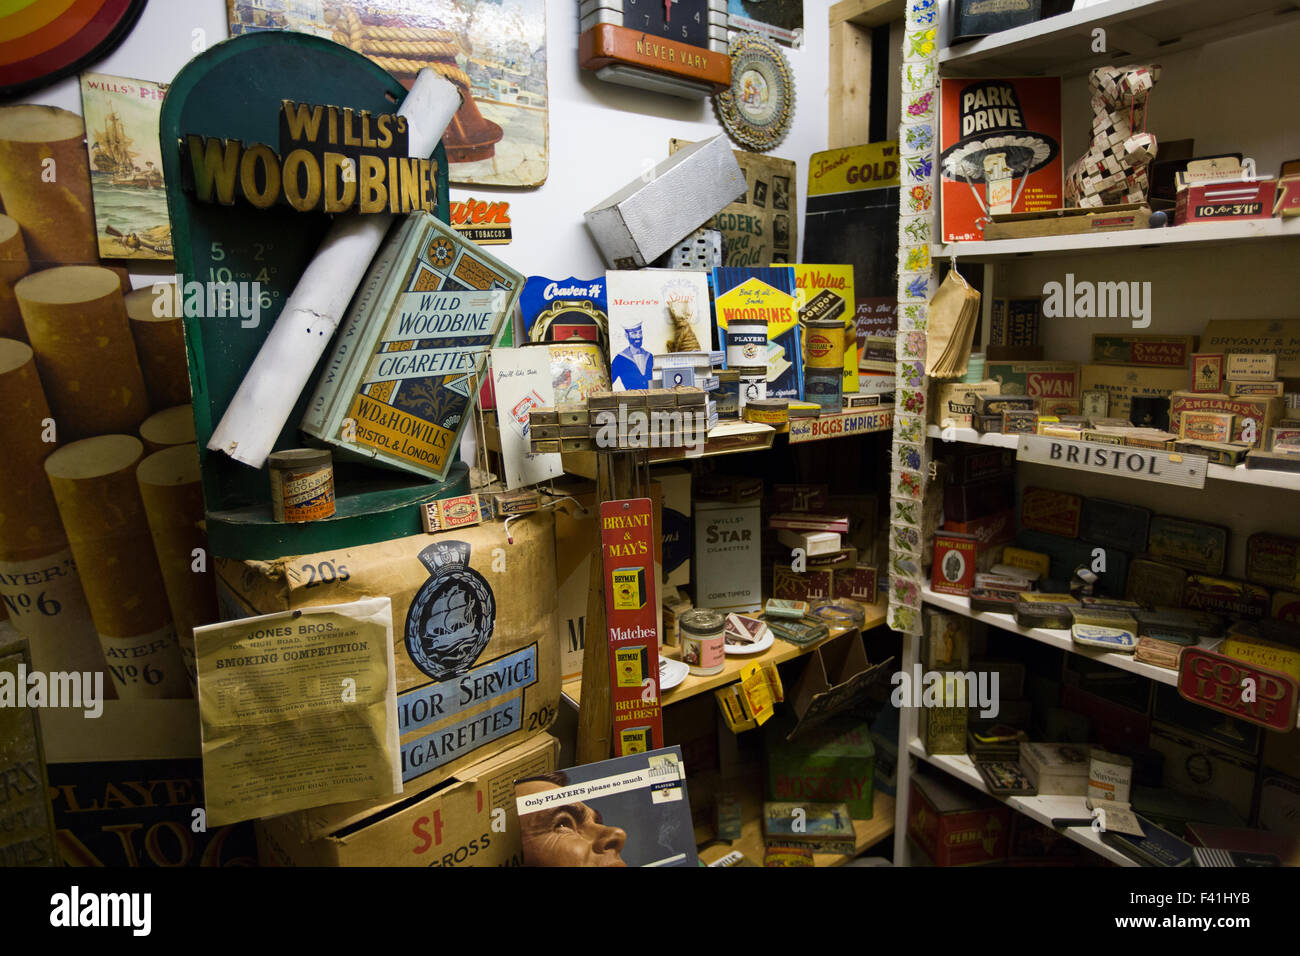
(1044, 809)
(1199, 272)
(1053, 637)
(1191, 234)
(1135, 29)
(1240, 473)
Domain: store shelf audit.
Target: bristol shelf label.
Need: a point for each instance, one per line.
(1145, 464)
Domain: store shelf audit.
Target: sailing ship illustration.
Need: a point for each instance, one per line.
(112, 155)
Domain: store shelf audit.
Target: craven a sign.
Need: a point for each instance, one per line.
(1146, 464)
(1234, 687)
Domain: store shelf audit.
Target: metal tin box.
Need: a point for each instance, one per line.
(644, 219)
(1056, 768)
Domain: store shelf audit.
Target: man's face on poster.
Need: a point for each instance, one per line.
(569, 835)
(634, 336)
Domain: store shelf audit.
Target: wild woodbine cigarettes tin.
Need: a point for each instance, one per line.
(302, 484)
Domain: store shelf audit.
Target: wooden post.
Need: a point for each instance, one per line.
(851, 23)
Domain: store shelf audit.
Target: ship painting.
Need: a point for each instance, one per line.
(126, 177)
(453, 614)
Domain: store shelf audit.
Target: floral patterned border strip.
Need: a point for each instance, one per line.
(917, 282)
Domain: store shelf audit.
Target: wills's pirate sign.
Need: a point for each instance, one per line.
(330, 159)
(1261, 696)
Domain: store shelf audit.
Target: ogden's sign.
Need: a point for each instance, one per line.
(330, 159)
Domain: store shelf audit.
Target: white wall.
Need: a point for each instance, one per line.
(599, 133)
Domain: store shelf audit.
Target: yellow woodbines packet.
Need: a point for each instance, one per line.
(298, 709)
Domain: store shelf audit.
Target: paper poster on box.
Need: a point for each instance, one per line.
(1001, 151)
(629, 811)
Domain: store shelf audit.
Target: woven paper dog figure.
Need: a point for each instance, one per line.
(1114, 170)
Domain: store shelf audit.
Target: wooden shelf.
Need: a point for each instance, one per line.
(1044, 809)
(778, 653)
(868, 832)
(1239, 474)
(1211, 233)
(1053, 637)
(1135, 31)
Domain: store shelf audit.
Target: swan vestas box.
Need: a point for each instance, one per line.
(408, 359)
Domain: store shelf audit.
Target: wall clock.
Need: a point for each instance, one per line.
(677, 47)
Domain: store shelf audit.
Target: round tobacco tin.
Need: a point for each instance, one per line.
(767, 411)
(758, 107)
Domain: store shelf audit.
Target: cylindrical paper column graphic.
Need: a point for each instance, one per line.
(172, 490)
(95, 488)
(38, 578)
(45, 183)
(171, 426)
(13, 266)
(160, 345)
(76, 322)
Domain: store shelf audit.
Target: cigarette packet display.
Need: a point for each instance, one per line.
(399, 387)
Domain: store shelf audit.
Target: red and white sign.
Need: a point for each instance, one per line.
(627, 547)
(1263, 697)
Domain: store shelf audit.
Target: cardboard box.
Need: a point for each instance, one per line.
(125, 786)
(1035, 379)
(955, 825)
(1224, 200)
(453, 824)
(1264, 411)
(677, 526)
(955, 401)
(1251, 367)
(1196, 766)
(833, 763)
(577, 542)
(728, 555)
(648, 216)
(1056, 768)
(459, 701)
(1122, 383)
(1281, 337)
(1157, 351)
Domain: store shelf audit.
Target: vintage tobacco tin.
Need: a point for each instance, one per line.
(1213, 680)
(997, 404)
(1045, 610)
(1019, 421)
(998, 602)
(987, 424)
(1030, 560)
(1155, 583)
(994, 742)
(1053, 512)
(1110, 638)
(1093, 617)
(1189, 544)
(1273, 559)
(1114, 524)
(1225, 596)
(1161, 653)
(1177, 625)
(1005, 778)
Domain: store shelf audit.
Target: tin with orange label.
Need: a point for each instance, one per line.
(824, 343)
(302, 484)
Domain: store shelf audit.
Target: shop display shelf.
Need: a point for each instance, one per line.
(1044, 809)
(1058, 638)
(1240, 473)
(1209, 234)
(868, 832)
(1062, 45)
(778, 653)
